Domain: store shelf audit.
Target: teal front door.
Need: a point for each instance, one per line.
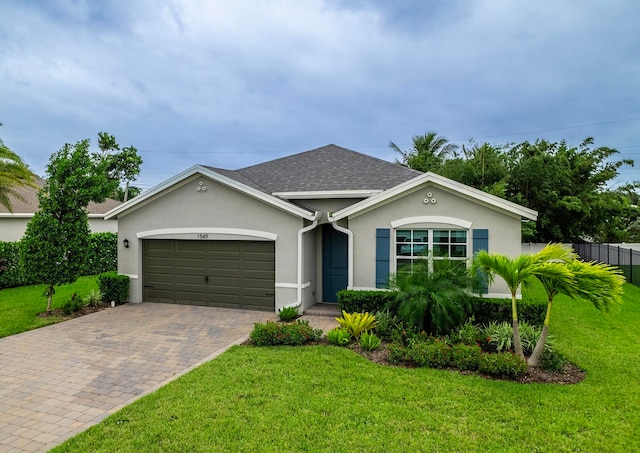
(335, 276)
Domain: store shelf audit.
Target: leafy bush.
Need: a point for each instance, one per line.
(529, 336)
(11, 274)
(499, 335)
(552, 360)
(356, 301)
(485, 310)
(274, 333)
(72, 305)
(338, 336)
(369, 341)
(432, 355)
(93, 299)
(114, 287)
(502, 364)
(465, 357)
(288, 313)
(433, 301)
(387, 324)
(468, 333)
(397, 353)
(102, 254)
(356, 323)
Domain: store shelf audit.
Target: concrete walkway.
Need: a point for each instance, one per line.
(59, 380)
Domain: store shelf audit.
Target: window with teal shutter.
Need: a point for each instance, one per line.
(383, 244)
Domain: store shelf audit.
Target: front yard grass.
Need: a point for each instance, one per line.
(19, 307)
(320, 398)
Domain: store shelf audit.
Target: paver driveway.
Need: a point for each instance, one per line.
(59, 380)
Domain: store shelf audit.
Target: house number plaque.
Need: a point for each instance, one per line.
(202, 235)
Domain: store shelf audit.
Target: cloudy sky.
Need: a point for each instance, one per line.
(234, 83)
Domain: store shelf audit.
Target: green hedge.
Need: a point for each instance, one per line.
(356, 301)
(114, 287)
(11, 274)
(485, 310)
(101, 256)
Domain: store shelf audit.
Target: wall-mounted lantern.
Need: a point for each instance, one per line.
(125, 243)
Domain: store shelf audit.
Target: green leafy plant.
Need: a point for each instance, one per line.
(274, 333)
(397, 353)
(361, 301)
(288, 313)
(552, 360)
(465, 357)
(93, 299)
(432, 355)
(369, 341)
(530, 336)
(72, 305)
(387, 324)
(499, 335)
(434, 301)
(338, 336)
(356, 323)
(502, 364)
(468, 333)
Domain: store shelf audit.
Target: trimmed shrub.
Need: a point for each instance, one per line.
(102, 254)
(552, 360)
(353, 301)
(338, 336)
(11, 274)
(465, 357)
(432, 355)
(397, 353)
(114, 287)
(274, 333)
(503, 364)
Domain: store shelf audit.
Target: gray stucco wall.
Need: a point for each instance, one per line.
(13, 228)
(504, 228)
(195, 211)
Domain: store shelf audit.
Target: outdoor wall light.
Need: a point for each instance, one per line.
(125, 243)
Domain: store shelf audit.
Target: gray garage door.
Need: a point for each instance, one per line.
(229, 274)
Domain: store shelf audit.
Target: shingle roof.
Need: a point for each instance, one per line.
(30, 203)
(327, 168)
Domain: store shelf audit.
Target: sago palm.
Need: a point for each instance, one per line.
(520, 271)
(597, 283)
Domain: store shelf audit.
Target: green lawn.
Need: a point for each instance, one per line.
(19, 307)
(330, 399)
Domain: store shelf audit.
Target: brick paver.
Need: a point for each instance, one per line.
(59, 380)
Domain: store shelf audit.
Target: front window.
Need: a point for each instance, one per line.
(432, 245)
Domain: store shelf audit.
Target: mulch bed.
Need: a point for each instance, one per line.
(83, 311)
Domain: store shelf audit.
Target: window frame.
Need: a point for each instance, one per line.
(414, 245)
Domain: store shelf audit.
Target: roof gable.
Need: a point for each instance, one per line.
(463, 190)
(219, 176)
(329, 168)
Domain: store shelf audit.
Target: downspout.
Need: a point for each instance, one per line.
(301, 231)
(349, 234)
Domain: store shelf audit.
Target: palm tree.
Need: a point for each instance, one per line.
(428, 153)
(521, 271)
(14, 173)
(597, 283)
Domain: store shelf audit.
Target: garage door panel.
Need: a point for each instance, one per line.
(241, 274)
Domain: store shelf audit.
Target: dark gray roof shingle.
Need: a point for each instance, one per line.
(330, 167)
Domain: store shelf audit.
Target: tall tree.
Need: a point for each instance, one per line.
(521, 271)
(122, 165)
(14, 173)
(597, 283)
(428, 152)
(55, 242)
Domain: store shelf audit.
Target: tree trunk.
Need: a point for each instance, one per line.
(49, 298)
(517, 344)
(539, 349)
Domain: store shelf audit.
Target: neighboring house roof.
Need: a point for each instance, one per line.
(29, 205)
(329, 168)
(448, 184)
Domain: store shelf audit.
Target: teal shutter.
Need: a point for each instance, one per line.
(481, 242)
(383, 244)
